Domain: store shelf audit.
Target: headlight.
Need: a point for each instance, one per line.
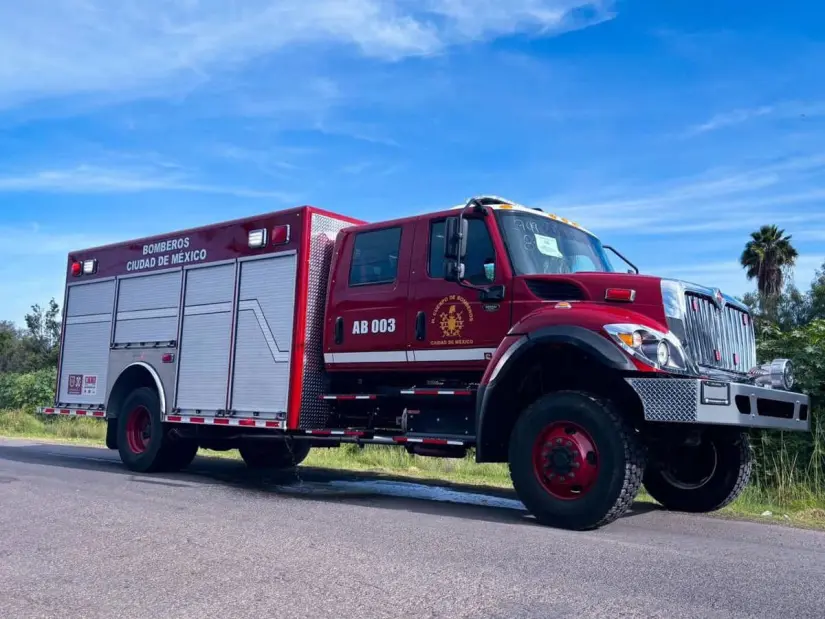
(654, 348)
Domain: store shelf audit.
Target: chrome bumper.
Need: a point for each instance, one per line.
(688, 400)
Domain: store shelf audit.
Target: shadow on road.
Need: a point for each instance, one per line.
(381, 491)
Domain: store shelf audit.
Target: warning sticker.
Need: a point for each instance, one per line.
(75, 384)
(90, 385)
(548, 246)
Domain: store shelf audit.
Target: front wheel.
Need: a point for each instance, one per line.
(701, 478)
(575, 462)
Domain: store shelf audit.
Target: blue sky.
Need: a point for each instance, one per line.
(671, 129)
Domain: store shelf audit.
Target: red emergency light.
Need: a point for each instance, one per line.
(87, 267)
(623, 295)
(280, 235)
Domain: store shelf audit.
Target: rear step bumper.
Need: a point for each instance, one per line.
(689, 400)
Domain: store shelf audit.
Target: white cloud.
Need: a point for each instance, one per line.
(716, 201)
(730, 277)
(90, 179)
(782, 110)
(133, 47)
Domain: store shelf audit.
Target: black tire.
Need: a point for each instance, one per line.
(704, 478)
(274, 455)
(179, 454)
(606, 454)
(143, 440)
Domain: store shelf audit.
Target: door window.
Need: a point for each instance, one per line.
(375, 257)
(480, 251)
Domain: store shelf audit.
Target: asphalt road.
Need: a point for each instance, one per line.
(82, 537)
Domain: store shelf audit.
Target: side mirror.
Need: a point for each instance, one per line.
(455, 238)
(453, 271)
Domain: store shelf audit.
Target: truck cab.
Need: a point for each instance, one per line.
(393, 298)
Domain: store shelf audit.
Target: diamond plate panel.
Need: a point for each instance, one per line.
(323, 231)
(667, 399)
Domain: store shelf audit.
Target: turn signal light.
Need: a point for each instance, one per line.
(623, 295)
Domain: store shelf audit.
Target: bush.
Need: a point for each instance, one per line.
(27, 391)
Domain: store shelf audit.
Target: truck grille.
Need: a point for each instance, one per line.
(721, 338)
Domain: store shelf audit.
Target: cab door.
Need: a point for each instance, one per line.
(366, 318)
(449, 325)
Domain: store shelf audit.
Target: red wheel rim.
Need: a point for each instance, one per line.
(139, 429)
(565, 460)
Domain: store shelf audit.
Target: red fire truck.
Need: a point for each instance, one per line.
(489, 326)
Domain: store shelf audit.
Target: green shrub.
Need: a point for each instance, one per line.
(27, 391)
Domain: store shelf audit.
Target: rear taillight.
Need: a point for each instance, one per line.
(87, 267)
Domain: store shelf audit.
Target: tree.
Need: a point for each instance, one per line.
(41, 338)
(766, 258)
(817, 294)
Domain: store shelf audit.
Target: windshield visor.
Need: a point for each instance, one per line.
(540, 245)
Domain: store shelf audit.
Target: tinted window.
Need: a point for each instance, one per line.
(375, 257)
(479, 250)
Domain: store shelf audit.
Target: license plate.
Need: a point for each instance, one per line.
(715, 393)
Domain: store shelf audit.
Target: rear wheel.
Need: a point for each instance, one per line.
(703, 477)
(274, 455)
(575, 463)
(143, 440)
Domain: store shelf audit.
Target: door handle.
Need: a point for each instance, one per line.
(339, 330)
(420, 326)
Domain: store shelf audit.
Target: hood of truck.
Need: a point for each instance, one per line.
(533, 292)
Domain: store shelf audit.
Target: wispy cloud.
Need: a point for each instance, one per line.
(729, 275)
(782, 110)
(71, 47)
(715, 201)
(45, 241)
(90, 179)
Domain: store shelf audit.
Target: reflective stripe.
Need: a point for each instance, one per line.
(401, 356)
(225, 421)
(77, 412)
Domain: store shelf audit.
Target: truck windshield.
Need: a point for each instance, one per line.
(540, 245)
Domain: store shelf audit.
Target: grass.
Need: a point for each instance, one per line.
(791, 497)
(73, 429)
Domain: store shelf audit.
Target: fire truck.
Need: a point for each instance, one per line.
(490, 329)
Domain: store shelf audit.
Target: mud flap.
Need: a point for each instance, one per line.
(111, 433)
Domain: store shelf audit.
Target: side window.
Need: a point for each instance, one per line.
(375, 257)
(479, 251)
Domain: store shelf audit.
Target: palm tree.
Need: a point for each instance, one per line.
(766, 257)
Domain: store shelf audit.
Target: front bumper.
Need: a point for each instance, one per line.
(689, 400)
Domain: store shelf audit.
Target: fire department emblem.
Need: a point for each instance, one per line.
(451, 322)
(451, 315)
